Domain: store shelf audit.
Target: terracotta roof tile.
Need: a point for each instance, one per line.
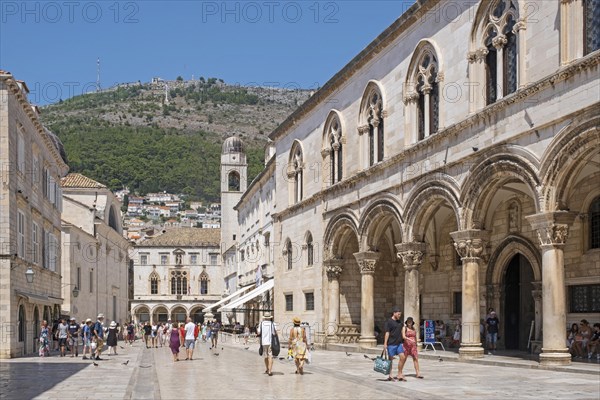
(188, 237)
(75, 180)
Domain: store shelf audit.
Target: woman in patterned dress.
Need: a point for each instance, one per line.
(409, 334)
(297, 344)
(44, 340)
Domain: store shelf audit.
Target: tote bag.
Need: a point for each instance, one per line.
(383, 364)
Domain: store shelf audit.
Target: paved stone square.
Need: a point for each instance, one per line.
(234, 370)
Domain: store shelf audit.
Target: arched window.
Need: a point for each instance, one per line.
(595, 223)
(154, 281)
(591, 20)
(333, 148)
(22, 323)
(295, 173)
(179, 283)
(309, 250)
(497, 49)
(204, 283)
(234, 181)
(422, 93)
(371, 125)
(288, 254)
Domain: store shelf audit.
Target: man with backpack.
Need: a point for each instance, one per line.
(86, 331)
(73, 337)
(98, 333)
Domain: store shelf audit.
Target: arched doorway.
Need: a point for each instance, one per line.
(519, 306)
(178, 314)
(142, 314)
(197, 315)
(160, 314)
(22, 328)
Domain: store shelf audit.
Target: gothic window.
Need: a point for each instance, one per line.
(333, 148)
(595, 224)
(592, 25)
(204, 283)
(309, 250)
(154, 279)
(179, 282)
(427, 92)
(234, 181)
(501, 49)
(295, 173)
(289, 254)
(371, 124)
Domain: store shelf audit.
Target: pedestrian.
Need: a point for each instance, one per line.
(214, 334)
(63, 335)
(73, 337)
(147, 331)
(44, 350)
(297, 342)
(55, 344)
(492, 325)
(111, 338)
(392, 341)
(409, 336)
(175, 341)
(154, 335)
(87, 338)
(266, 329)
(98, 333)
(246, 334)
(190, 339)
(204, 332)
(130, 332)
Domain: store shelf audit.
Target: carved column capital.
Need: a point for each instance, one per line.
(410, 97)
(325, 152)
(333, 268)
(363, 129)
(499, 41)
(411, 254)
(367, 261)
(552, 228)
(470, 243)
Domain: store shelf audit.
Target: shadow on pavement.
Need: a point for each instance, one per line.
(25, 380)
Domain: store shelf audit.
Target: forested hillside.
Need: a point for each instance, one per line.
(135, 136)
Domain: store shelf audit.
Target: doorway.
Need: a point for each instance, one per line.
(519, 306)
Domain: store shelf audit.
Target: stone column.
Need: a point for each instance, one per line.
(411, 255)
(366, 262)
(470, 245)
(552, 229)
(537, 298)
(333, 268)
(499, 42)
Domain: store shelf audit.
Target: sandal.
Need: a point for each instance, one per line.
(420, 376)
(389, 379)
(402, 379)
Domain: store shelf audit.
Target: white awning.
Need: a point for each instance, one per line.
(228, 298)
(39, 299)
(268, 285)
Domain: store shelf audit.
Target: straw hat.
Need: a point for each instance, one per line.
(297, 320)
(268, 315)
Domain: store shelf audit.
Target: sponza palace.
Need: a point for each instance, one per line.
(451, 166)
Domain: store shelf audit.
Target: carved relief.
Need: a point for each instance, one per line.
(469, 248)
(411, 259)
(333, 272)
(367, 266)
(553, 235)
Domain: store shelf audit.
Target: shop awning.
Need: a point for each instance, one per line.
(228, 298)
(268, 285)
(39, 298)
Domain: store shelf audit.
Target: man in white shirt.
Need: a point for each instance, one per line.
(265, 330)
(189, 338)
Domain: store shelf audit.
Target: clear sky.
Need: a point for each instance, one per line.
(54, 45)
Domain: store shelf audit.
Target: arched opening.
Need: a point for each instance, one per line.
(178, 314)
(234, 181)
(36, 327)
(595, 223)
(309, 250)
(22, 328)
(519, 306)
(204, 280)
(154, 283)
(160, 314)
(197, 315)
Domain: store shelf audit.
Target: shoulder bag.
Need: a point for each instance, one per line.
(383, 364)
(275, 345)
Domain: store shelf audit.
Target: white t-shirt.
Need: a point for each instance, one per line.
(189, 331)
(267, 328)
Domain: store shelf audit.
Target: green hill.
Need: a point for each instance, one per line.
(133, 136)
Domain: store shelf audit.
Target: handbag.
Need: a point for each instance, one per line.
(383, 364)
(275, 345)
(260, 348)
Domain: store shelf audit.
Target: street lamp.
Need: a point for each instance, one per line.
(75, 290)
(29, 274)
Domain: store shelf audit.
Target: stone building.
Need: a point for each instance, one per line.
(451, 166)
(32, 161)
(176, 275)
(95, 253)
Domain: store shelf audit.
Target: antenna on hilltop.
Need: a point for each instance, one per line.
(98, 75)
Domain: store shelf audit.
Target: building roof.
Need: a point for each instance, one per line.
(185, 237)
(75, 180)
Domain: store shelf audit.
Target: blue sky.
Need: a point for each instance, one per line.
(54, 45)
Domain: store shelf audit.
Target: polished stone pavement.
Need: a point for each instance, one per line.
(237, 372)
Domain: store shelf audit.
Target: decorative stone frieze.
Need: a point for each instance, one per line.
(470, 243)
(552, 228)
